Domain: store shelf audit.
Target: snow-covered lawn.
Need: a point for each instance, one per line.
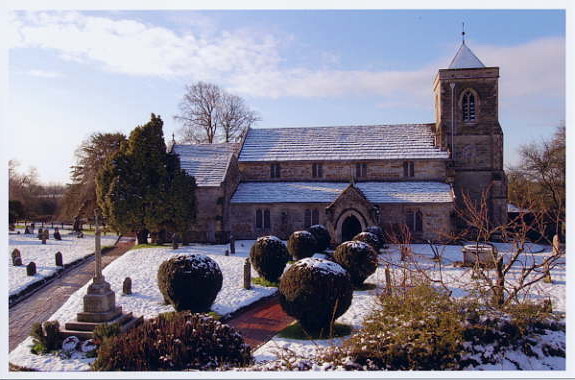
(457, 279)
(141, 265)
(32, 249)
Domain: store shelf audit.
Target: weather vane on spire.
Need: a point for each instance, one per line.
(463, 32)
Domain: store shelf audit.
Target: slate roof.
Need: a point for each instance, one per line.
(208, 163)
(465, 59)
(327, 192)
(372, 142)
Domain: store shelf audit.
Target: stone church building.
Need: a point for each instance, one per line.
(280, 180)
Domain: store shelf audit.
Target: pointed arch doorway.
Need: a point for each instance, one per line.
(350, 227)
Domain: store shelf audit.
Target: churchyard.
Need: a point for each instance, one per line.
(288, 351)
(31, 249)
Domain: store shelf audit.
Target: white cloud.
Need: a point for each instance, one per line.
(44, 74)
(134, 48)
(249, 62)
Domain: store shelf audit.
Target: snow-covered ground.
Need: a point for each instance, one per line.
(32, 249)
(141, 265)
(457, 279)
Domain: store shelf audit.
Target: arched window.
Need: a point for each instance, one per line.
(418, 221)
(315, 216)
(307, 218)
(259, 218)
(468, 106)
(267, 219)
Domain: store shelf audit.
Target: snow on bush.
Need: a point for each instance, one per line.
(315, 292)
(190, 282)
(269, 257)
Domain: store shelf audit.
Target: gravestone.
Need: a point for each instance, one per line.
(32, 227)
(232, 244)
(127, 286)
(483, 255)
(16, 258)
(174, 241)
(59, 261)
(227, 253)
(57, 235)
(27, 231)
(40, 234)
(31, 269)
(45, 236)
(556, 244)
(247, 274)
(388, 284)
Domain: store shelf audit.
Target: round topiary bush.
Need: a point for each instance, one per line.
(301, 244)
(321, 235)
(315, 292)
(358, 258)
(190, 282)
(377, 231)
(369, 238)
(175, 342)
(269, 257)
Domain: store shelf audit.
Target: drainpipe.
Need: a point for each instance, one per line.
(452, 85)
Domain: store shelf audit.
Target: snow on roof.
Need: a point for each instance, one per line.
(402, 141)
(327, 192)
(465, 59)
(208, 163)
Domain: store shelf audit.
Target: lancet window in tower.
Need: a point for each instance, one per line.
(468, 104)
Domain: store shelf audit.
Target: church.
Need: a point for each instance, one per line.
(279, 180)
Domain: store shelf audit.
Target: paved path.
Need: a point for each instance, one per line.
(42, 304)
(260, 322)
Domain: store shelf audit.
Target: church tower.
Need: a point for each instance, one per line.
(467, 124)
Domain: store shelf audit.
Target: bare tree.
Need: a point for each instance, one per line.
(235, 117)
(513, 276)
(208, 114)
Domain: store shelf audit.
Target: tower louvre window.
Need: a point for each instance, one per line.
(468, 105)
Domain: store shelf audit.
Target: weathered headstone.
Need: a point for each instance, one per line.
(57, 235)
(127, 286)
(58, 258)
(547, 279)
(40, 234)
(247, 274)
(31, 269)
(16, 258)
(227, 253)
(32, 227)
(45, 236)
(174, 241)
(232, 244)
(556, 244)
(388, 285)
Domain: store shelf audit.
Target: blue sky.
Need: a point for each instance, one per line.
(74, 73)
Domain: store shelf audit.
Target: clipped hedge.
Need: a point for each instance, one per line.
(269, 257)
(358, 258)
(321, 235)
(190, 282)
(301, 244)
(315, 292)
(369, 238)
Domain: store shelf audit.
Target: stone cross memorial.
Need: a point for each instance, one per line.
(99, 302)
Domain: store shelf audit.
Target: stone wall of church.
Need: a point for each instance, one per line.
(425, 170)
(285, 218)
(208, 214)
(436, 219)
(289, 217)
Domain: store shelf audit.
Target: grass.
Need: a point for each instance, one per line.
(148, 246)
(263, 282)
(365, 286)
(295, 331)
